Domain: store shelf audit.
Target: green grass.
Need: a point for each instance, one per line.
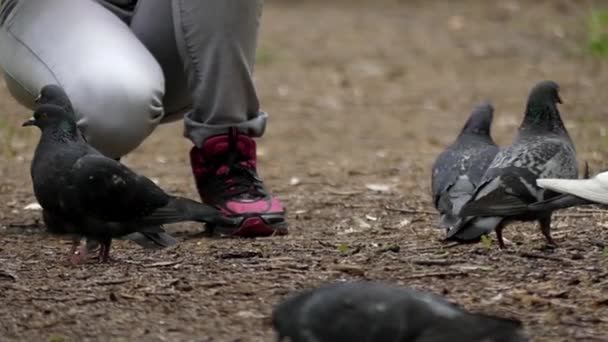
(597, 42)
(57, 338)
(264, 56)
(486, 241)
(343, 248)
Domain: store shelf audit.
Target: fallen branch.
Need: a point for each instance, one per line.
(410, 211)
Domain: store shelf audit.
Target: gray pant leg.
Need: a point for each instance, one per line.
(152, 23)
(115, 84)
(216, 40)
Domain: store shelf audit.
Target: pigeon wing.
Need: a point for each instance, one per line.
(105, 189)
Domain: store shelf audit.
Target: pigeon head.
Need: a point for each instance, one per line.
(541, 109)
(54, 94)
(480, 120)
(545, 91)
(52, 117)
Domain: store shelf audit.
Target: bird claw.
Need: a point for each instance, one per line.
(77, 256)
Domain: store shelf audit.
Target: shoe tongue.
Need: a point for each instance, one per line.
(220, 144)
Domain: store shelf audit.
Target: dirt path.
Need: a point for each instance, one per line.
(359, 93)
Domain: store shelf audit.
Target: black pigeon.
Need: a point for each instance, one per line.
(56, 95)
(370, 312)
(458, 169)
(541, 149)
(95, 196)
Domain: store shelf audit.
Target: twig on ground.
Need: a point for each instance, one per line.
(532, 255)
(163, 263)
(590, 210)
(130, 296)
(350, 269)
(112, 281)
(438, 274)
(435, 262)
(344, 192)
(24, 225)
(91, 300)
(409, 211)
(240, 255)
(452, 245)
(157, 293)
(212, 284)
(567, 215)
(8, 274)
(357, 206)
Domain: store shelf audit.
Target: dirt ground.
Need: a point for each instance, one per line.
(362, 95)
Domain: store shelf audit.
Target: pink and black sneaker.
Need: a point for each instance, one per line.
(226, 178)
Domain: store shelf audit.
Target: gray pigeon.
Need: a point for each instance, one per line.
(370, 312)
(95, 196)
(541, 149)
(458, 169)
(54, 94)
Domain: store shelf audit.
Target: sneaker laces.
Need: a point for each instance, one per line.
(235, 176)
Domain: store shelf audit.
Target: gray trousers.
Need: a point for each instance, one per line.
(128, 71)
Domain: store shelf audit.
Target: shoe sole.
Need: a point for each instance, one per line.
(255, 226)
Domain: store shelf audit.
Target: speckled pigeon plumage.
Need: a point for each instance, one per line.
(541, 149)
(458, 169)
(371, 312)
(95, 196)
(56, 95)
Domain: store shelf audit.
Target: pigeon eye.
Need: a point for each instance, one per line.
(42, 116)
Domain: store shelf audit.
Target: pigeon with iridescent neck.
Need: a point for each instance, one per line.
(541, 149)
(96, 196)
(56, 95)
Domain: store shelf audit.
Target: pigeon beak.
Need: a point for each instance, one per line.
(30, 122)
(38, 98)
(559, 99)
